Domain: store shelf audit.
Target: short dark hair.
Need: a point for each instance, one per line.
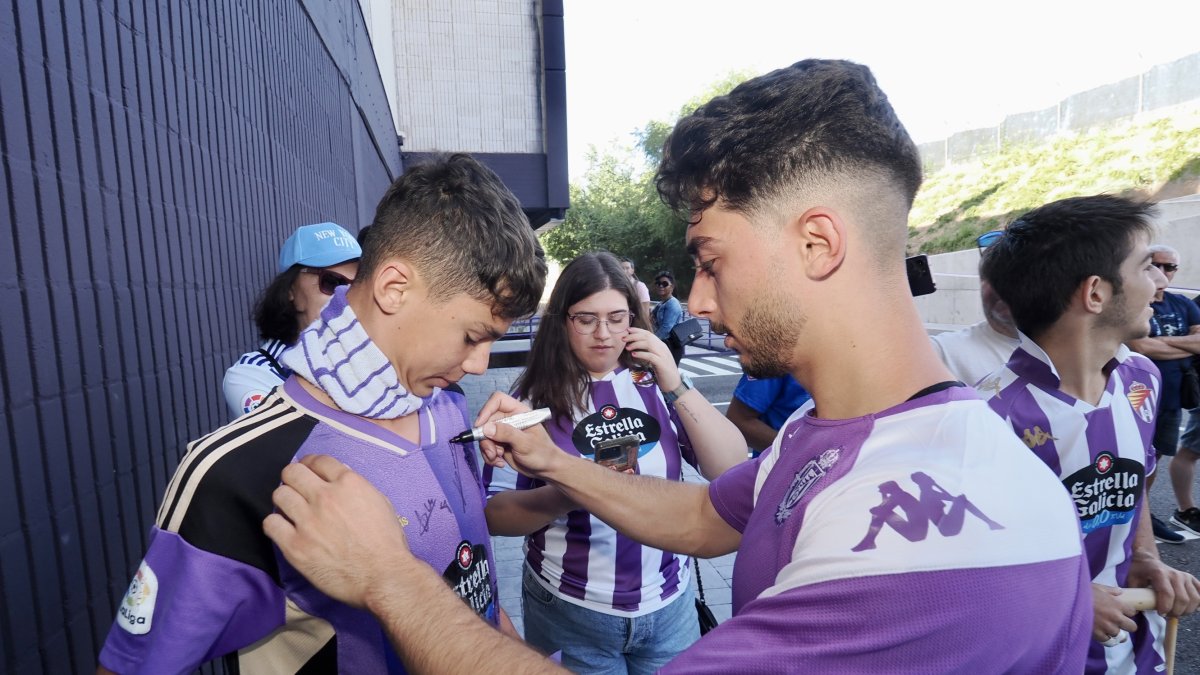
(275, 313)
(362, 237)
(665, 273)
(813, 118)
(1044, 255)
(454, 219)
(555, 379)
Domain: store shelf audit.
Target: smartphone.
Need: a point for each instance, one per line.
(920, 277)
(618, 453)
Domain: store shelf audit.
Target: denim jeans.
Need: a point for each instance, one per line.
(1166, 431)
(595, 642)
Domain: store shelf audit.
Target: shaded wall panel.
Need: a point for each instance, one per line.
(153, 156)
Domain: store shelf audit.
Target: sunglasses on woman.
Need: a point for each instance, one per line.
(328, 280)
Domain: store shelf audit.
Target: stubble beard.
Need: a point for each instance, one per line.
(769, 331)
(1124, 316)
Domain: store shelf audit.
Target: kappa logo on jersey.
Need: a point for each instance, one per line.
(947, 512)
(469, 574)
(805, 478)
(612, 422)
(252, 400)
(137, 607)
(1036, 438)
(1106, 491)
(1139, 397)
(991, 386)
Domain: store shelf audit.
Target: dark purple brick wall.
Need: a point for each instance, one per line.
(153, 156)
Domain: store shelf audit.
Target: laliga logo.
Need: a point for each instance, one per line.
(1139, 398)
(252, 401)
(137, 608)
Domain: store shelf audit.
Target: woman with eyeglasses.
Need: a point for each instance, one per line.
(667, 313)
(608, 603)
(314, 261)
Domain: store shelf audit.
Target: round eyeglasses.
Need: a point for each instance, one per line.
(586, 323)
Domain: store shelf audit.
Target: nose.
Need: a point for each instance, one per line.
(1161, 281)
(476, 362)
(701, 300)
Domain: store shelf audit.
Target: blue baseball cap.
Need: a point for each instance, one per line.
(319, 245)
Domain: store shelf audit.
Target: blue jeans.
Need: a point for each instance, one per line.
(1166, 431)
(595, 642)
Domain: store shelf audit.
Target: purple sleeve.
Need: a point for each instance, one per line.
(188, 606)
(1038, 621)
(732, 493)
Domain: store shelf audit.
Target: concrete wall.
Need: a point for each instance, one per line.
(1160, 87)
(153, 157)
(486, 77)
(468, 76)
(956, 302)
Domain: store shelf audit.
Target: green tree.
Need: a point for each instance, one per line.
(616, 207)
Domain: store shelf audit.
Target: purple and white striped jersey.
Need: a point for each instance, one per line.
(578, 557)
(919, 539)
(1102, 454)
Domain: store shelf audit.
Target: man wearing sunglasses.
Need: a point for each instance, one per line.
(1174, 339)
(450, 263)
(313, 262)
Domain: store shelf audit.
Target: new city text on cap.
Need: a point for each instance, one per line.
(319, 245)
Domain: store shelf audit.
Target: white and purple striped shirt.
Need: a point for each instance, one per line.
(1102, 454)
(923, 538)
(578, 557)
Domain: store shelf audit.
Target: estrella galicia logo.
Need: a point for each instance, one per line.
(613, 422)
(910, 516)
(1106, 491)
(469, 574)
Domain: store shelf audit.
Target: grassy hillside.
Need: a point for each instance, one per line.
(1158, 159)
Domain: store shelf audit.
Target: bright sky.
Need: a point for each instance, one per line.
(946, 66)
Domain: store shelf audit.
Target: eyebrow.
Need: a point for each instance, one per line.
(697, 243)
(489, 331)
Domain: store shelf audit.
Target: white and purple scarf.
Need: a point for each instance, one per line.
(336, 355)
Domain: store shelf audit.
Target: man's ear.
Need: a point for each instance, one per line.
(819, 235)
(392, 285)
(1094, 294)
